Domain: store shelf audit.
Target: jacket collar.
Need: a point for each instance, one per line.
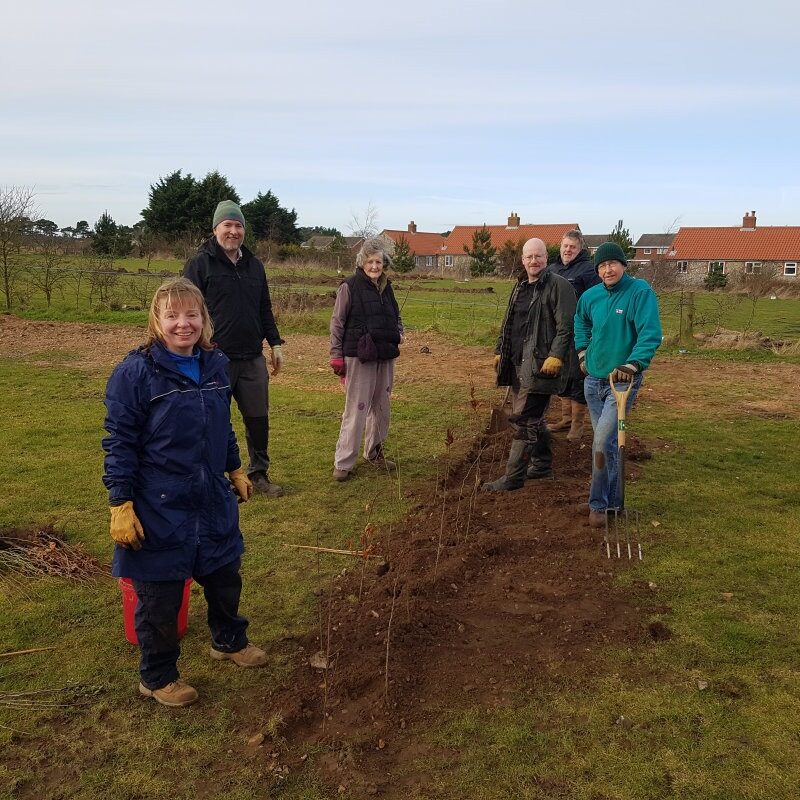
(624, 281)
(211, 361)
(581, 258)
(211, 246)
(383, 281)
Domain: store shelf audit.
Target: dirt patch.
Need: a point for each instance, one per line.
(481, 597)
(425, 357)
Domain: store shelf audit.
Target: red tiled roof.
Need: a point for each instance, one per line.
(421, 243)
(462, 235)
(734, 244)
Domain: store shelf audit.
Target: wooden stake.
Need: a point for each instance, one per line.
(25, 652)
(356, 553)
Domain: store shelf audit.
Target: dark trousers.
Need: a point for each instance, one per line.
(533, 430)
(574, 391)
(156, 621)
(250, 388)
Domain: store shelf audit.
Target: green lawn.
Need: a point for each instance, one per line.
(713, 711)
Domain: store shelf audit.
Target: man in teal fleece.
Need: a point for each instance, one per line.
(617, 332)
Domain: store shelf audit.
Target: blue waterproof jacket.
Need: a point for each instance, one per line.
(169, 445)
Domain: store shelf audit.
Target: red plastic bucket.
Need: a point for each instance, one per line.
(130, 599)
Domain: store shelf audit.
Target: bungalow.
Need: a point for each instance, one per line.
(461, 236)
(426, 247)
(652, 245)
(741, 250)
(594, 240)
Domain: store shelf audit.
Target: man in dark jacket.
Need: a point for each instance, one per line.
(234, 285)
(536, 352)
(575, 264)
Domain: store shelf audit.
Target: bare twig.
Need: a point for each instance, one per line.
(25, 652)
(388, 638)
(355, 553)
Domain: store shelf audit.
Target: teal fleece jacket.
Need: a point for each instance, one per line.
(617, 326)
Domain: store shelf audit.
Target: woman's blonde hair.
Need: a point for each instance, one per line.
(177, 292)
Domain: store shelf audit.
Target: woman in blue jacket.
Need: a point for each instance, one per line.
(174, 512)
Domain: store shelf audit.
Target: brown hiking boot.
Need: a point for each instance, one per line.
(578, 418)
(263, 485)
(566, 416)
(250, 656)
(341, 474)
(174, 695)
(597, 519)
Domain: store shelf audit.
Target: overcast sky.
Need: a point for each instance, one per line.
(442, 112)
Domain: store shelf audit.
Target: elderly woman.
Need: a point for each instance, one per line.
(366, 331)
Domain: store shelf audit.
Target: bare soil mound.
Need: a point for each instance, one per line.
(480, 597)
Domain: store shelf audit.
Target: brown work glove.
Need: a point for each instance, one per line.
(496, 362)
(624, 373)
(551, 366)
(126, 530)
(241, 484)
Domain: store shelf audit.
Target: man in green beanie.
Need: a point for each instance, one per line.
(617, 332)
(235, 287)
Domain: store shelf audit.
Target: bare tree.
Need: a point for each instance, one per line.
(141, 287)
(365, 224)
(49, 273)
(761, 282)
(103, 279)
(16, 208)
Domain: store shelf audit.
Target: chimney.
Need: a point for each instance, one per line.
(513, 220)
(412, 227)
(749, 221)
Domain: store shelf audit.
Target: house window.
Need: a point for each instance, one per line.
(660, 251)
(716, 267)
(647, 250)
(448, 261)
(682, 267)
(419, 261)
(428, 261)
(752, 267)
(790, 268)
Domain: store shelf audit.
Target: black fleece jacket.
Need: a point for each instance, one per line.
(238, 300)
(580, 272)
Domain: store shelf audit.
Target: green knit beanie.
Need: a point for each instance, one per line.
(227, 209)
(609, 251)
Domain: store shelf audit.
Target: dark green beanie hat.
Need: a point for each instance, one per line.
(227, 209)
(608, 251)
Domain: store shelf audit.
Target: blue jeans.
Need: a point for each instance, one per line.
(604, 492)
(156, 621)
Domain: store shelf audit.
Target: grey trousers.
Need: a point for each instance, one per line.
(366, 411)
(250, 387)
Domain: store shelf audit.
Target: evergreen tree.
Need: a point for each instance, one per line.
(622, 236)
(267, 219)
(482, 253)
(171, 211)
(110, 239)
(403, 258)
(206, 194)
(307, 232)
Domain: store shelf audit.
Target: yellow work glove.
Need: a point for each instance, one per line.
(551, 366)
(496, 363)
(126, 530)
(277, 359)
(241, 484)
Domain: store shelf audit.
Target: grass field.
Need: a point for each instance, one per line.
(709, 714)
